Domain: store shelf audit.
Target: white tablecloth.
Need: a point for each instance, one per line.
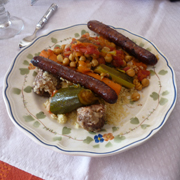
(157, 158)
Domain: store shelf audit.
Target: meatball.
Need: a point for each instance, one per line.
(45, 83)
(91, 118)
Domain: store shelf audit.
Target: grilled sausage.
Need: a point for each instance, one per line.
(124, 42)
(58, 70)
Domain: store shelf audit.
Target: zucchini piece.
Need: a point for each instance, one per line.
(68, 99)
(117, 76)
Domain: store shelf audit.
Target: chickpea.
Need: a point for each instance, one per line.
(130, 72)
(82, 58)
(112, 44)
(124, 63)
(94, 56)
(135, 96)
(128, 58)
(89, 64)
(138, 86)
(106, 49)
(135, 81)
(60, 58)
(72, 64)
(63, 46)
(104, 75)
(87, 55)
(67, 46)
(65, 61)
(88, 61)
(78, 54)
(71, 57)
(94, 62)
(108, 58)
(57, 51)
(145, 82)
(76, 59)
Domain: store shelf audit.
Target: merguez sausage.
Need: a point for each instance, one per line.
(124, 42)
(58, 70)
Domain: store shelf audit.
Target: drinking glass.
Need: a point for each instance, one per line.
(9, 25)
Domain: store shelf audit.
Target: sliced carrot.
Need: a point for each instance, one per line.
(48, 54)
(44, 54)
(116, 87)
(83, 67)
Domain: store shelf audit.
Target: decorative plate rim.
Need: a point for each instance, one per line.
(87, 153)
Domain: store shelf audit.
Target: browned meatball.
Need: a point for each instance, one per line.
(91, 118)
(44, 83)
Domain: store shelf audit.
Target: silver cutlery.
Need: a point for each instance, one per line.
(33, 1)
(27, 40)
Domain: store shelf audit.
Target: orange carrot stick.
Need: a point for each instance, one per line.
(116, 87)
(48, 54)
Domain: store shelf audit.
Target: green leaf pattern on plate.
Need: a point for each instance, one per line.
(109, 144)
(36, 124)
(24, 71)
(163, 72)
(57, 138)
(76, 35)
(155, 96)
(54, 40)
(66, 130)
(88, 140)
(57, 46)
(16, 91)
(37, 54)
(30, 56)
(28, 118)
(28, 89)
(134, 120)
(40, 115)
(119, 138)
(83, 32)
(144, 126)
(152, 72)
(148, 49)
(26, 62)
(96, 146)
(165, 93)
(115, 129)
(34, 73)
(141, 44)
(163, 101)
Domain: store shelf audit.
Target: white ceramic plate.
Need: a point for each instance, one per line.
(145, 117)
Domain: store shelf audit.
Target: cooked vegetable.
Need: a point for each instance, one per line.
(49, 54)
(83, 67)
(145, 82)
(130, 72)
(116, 87)
(124, 42)
(99, 68)
(116, 76)
(58, 70)
(135, 96)
(68, 99)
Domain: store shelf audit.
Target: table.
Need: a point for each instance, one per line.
(159, 157)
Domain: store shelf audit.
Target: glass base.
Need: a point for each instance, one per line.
(14, 27)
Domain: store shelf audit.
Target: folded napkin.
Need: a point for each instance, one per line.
(8, 172)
